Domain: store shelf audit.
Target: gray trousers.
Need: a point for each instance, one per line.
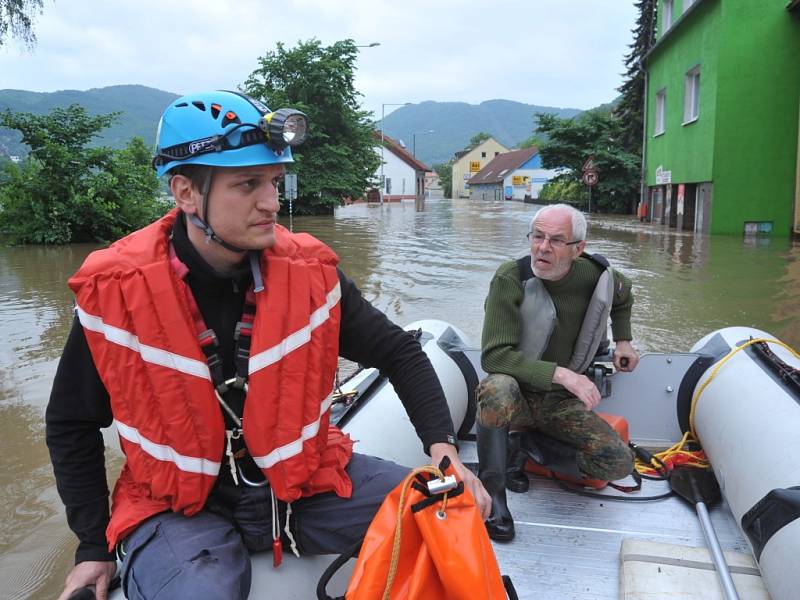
(207, 556)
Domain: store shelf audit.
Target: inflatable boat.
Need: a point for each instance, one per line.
(740, 397)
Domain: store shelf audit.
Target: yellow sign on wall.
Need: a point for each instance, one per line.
(474, 166)
(517, 180)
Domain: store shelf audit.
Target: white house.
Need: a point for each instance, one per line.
(404, 175)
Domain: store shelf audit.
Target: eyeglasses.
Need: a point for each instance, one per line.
(556, 242)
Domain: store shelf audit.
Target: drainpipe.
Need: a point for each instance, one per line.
(643, 193)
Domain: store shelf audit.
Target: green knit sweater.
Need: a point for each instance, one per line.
(502, 324)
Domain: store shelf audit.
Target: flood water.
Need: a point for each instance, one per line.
(412, 265)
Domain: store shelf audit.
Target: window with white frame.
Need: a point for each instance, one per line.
(661, 107)
(666, 21)
(691, 97)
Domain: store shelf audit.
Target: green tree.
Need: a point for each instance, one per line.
(536, 139)
(630, 108)
(598, 133)
(67, 192)
(445, 173)
(337, 160)
(564, 189)
(478, 139)
(16, 20)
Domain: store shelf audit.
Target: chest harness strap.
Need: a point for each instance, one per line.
(209, 343)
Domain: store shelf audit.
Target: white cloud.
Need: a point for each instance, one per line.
(551, 52)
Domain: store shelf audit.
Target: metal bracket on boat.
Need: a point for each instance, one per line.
(599, 374)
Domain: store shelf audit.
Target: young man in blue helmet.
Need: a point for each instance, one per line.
(210, 339)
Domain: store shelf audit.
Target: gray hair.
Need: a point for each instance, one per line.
(578, 220)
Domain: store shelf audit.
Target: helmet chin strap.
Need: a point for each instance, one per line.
(205, 227)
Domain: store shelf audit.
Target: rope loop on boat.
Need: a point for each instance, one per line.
(718, 366)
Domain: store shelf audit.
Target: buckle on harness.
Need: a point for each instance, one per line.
(208, 338)
(237, 383)
(243, 328)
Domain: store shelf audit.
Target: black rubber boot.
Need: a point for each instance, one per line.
(492, 444)
(516, 479)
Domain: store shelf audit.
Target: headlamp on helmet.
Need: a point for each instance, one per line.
(284, 127)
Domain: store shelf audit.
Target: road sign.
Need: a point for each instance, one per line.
(589, 178)
(589, 165)
(290, 186)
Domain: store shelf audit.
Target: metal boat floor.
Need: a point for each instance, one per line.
(567, 545)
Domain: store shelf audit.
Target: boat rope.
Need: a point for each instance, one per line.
(716, 369)
(678, 454)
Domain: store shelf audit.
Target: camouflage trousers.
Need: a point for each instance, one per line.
(601, 453)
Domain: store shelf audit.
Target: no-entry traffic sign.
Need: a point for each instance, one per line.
(589, 178)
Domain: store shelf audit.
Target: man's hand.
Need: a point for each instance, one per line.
(625, 357)
(482, 498)
(579, 385)
(90, 573)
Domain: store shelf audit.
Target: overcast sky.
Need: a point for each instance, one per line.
(565, 53)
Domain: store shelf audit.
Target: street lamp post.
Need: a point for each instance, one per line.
(372, 45)
(383, 116)
(414, 140)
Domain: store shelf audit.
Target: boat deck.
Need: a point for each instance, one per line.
(567, 545)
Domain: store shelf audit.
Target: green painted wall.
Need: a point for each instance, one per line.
(677, 11)
(686, 150)
(757, 116)
(745, 140)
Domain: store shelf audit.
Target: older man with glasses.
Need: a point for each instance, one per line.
(546, 318)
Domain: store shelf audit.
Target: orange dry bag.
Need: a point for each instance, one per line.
(427, 541)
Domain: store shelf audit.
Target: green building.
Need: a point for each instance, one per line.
(722, 116)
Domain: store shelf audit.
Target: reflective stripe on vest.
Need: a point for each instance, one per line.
(539, 320)
(298, 338)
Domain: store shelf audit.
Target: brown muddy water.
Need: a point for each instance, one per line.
(412, 265)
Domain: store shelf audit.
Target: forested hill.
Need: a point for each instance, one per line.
(141, 107)
(454, 123)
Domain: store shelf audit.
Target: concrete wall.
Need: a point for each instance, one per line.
(486, 192)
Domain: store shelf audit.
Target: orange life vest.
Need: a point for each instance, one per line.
(142, 338)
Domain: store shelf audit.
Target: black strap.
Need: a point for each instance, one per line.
(512, 593)
(338, 563)
(209, 342)
(525, 268)
(628, 489)
(214, 143)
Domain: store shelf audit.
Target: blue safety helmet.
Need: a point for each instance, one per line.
(220, 129)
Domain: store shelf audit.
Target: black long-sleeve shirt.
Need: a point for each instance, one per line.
(79, 403)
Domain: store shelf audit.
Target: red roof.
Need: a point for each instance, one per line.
(401, 153)
(502, 164)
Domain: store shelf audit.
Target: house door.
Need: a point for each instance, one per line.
(689, 206)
